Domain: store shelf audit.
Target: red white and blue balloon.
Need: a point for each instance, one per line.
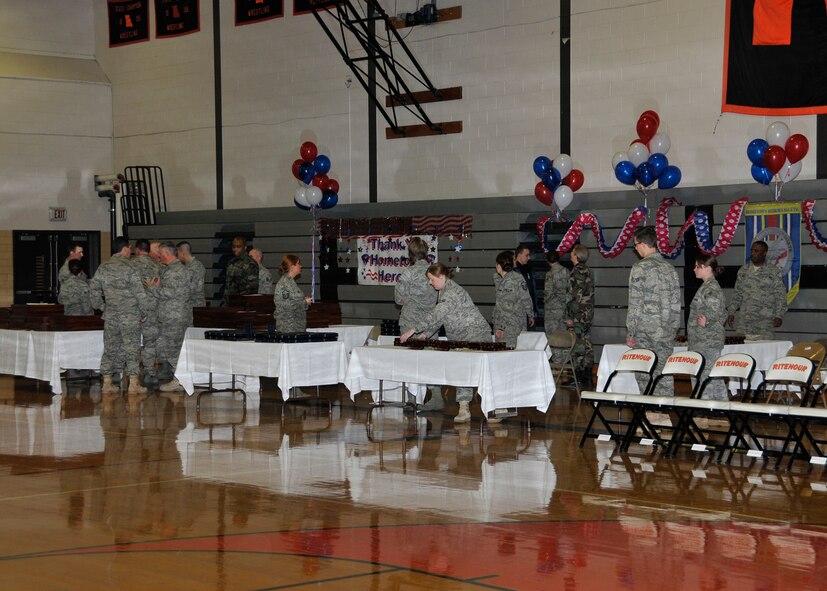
(558, 180)
(778, 156)
(645, 162)
(316, 188)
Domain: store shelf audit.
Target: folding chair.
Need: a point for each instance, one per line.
(815, 352)
(636, 361)
(792, 373)
(563, 340)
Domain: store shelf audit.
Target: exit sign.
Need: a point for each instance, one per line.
(58, 214)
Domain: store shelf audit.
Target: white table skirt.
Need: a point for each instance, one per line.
(41, 355)
(764, 353)
(294, 364)
(504, 379)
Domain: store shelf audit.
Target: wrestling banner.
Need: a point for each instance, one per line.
(779, 225)
(176, 17)
(256, 11)
(128, 21)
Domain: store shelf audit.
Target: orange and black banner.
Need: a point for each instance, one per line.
(128, 21)
(254, 11)
(176, 17)
(305, 6)
(775, 57)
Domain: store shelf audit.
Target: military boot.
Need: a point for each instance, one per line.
(135, 386)
(436, 402)
(464, 414)
(108, 387)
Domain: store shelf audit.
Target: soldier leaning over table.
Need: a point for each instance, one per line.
(74, 292)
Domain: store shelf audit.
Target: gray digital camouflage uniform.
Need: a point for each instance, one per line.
(117, 289)
(513, 306)
(147, 270)
(174, 310)
(291, 307)
(414, 294)
(580, 310)
(555, 296)
(462, 321)
(265, 281)
(653, 316)
(197, 273)
(74, 295)
(63, 273)
(708, 340)
(242, 277)
(759, 297)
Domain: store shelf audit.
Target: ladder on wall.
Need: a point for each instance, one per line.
(143, 196)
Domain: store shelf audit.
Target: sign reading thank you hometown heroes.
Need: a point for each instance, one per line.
(176, 17)
(255, 11)
(128, 21)
(383, 258)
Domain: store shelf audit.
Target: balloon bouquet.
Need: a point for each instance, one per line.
(645, 161)
(770, 160)
(317, 189)
(558, 181)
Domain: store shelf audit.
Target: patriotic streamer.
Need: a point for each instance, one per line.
(816, 238)
(700, 220)
(589, 219)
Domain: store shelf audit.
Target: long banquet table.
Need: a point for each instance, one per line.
(764, 353)
(504, 379)
(42, 355)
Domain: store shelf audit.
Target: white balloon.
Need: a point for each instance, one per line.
(789, 171)
(638, 153)
(778, 133)
(301, 197)
(314, 195)
(563, 197)
(659, 144)
(617, 159)
(563, 165)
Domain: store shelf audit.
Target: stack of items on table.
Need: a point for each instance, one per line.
(271, 336)
(46, 317)
(390, 328)
(451, 345)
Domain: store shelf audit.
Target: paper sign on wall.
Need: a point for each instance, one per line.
(383, 258)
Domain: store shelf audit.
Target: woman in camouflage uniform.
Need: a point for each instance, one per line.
(513, 310)
(705, 326)
(291, 303)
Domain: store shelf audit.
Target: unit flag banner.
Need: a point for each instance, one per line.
(383, 258)
(779, 225)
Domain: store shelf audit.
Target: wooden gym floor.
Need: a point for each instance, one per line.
(159, 494)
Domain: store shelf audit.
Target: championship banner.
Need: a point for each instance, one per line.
(256, 11)
(305, 6)
(176, 17)
(762, 40)
(779, 225)
(383, 258)
(128, 21)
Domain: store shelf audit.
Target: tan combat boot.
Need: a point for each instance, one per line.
(108, 387)
(464, 414)
(135, 386)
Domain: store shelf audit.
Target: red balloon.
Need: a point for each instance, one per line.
(774, 158)
(321, 181)
(651, 114)
(309, 151)
(796, 147)
(296, 165)
(647, 126)
(543, 194)
(574, 180)
(333, 185)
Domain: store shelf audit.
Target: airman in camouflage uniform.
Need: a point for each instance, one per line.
(580, 313)
(174, 295)
(149, 270)
(242, 272)
(513, 308)
(117, 289)
(265, 278)
(197, 273)
(654, 311)
(705, 326)
(291, 304)
(75, 254)
(760, 297)
(462, 321)
(555, 296)
(74, 292)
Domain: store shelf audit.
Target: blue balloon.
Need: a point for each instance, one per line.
(659, 163)
(755, 151)
(300, 206)
(329, 200)
(670, 178)
(542, 164)
(625, 172)
(321, 164)
(761, 174)
(306, 172)
(552, 178)
(646, 174)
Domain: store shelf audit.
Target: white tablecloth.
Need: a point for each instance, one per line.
(41, 355)
(504, 379)
(295, 364)
(764, 353)
(352, 335)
